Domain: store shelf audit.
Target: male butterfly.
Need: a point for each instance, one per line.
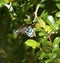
(28, 30)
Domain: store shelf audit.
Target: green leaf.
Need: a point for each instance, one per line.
(50, 20)
(58, 5)
(52, 56)
(41, 22)
(57, 14)
(42, 5)
(58, 22)
(57, 52)
(48, 28)
(15, 4)
(56, 43)
(14, 35)
(44, 15)
(55, 28)
(2, 2)
(42, 56)
(32, 43)
(41, 34)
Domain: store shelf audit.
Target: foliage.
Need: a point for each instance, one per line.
(19, 48)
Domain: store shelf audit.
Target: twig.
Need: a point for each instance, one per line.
(35, 13)
(49, 37)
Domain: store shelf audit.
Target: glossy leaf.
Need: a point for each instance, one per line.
(50, 20)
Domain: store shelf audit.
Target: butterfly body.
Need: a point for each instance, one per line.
(27, 30)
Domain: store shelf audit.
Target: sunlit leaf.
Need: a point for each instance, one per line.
(41, 22)
(56, 43)
(55, 28)
(37, 26)
(58, 14)
(48, 28)
(32, 43)
(51, 20)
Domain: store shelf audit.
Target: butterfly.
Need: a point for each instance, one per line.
(26, 30)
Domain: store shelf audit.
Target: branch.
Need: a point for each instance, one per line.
(35, 13)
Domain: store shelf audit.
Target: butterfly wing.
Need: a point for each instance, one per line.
(28, 30)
